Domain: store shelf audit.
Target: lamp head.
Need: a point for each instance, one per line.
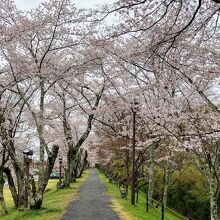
(134, 106)
(60, 158)
(28, 153)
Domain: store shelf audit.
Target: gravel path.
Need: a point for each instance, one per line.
(93, 203)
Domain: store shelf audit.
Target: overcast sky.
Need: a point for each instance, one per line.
(29, 4)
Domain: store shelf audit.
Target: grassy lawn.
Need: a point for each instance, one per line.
(129, 212)
(54, 204)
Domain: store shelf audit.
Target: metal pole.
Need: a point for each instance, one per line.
(147, 204)
(163, 210)
(133, 162)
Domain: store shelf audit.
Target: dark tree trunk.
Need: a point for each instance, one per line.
(69, 170)
(83, 165)
(37, 199)
(2, 199)
(20, 184)
(74, 172)
(12, 187)
(76, 165)
(7, 142)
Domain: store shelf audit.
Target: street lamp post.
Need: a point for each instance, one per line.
(27, 160)
(133, 176)
(60, 169)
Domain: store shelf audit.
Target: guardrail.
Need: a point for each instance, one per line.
(159, 207)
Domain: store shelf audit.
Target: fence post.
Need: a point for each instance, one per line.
(162, 211)
(147, 202)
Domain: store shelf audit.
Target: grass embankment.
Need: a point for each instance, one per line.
(128, 212)
(54, 204)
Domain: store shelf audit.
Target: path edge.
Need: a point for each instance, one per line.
(115, 204)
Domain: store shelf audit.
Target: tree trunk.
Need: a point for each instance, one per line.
(12, 187)
(74, 169)
(69, 169)
(151, 173)
(83, 165)
(20, 185)
(127, 165)
(71, 151)
(213, 187)
(40, 129)
(168, 174)
(7, 142)
(2, 199)
(37, 199)
(66, 180)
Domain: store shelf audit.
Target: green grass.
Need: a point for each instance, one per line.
(54, 204)
(129, 212)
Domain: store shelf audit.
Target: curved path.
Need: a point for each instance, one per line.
(93, 203)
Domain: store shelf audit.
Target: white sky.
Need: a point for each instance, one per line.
(29, 4)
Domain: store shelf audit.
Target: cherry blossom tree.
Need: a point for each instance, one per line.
(65, 70)
(38, 41)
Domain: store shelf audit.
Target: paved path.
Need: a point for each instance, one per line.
(93, 203)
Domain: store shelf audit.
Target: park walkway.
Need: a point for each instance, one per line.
(93, 203)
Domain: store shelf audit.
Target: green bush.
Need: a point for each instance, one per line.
(183, 199)
(189, 195)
